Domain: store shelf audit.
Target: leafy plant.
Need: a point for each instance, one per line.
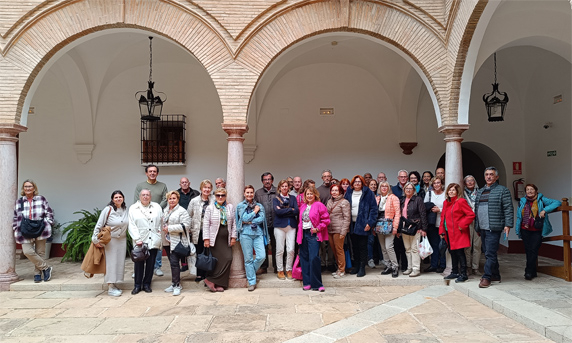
(79, 234)
(56, 227)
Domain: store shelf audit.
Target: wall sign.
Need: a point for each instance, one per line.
(551, 153)
(516, 168)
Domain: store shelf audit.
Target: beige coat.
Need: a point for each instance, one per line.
(340, 215)
(195, 211)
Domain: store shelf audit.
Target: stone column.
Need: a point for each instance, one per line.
(453, 153)
(8, 195)
(235, 188)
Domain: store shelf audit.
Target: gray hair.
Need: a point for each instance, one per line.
(401, 171)
(493, 169)
(412, 185)
(327, 171)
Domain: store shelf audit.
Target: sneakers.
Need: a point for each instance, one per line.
(169, 289)
(114, 292)
(339, 275)
(407, 272)
(159, 272)
(307, 287)
(47, 274)
(37, 278)
(281, 275)
(371, 264)
(289, 275)
(133, 275)
(321, 289)
(415, 273)
(451, 276)
(251, 288)
(177, 290)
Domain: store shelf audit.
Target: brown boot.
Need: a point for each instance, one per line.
(289, 275)
(281, 276)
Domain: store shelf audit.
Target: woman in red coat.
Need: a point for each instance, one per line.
(456, 217)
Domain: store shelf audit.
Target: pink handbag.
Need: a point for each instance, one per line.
(296, 269)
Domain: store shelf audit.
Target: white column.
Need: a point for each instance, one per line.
(453, 153)
(8, 195)
(235, 192)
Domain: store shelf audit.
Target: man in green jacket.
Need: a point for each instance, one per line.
(494, 215)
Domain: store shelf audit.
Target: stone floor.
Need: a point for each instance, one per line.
(375, 308)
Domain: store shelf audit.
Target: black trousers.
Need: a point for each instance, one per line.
(144, 269)
(532, 241)
(175, 266)
(359, 244)
(458, 261)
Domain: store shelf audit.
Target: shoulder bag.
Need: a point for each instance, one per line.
(180, 249)
(30, 228)
(206, 261)
(407, 226)
(140, 253)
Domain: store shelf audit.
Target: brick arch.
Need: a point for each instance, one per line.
(49, 34)
(416, 39)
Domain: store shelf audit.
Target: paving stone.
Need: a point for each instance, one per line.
(190, 324)
(346, 307)
(7, 325)
(32, 313)
(234, 299)
(170, 311)
(76, 302)
(216, 310)
(81, 312)
(298, 322)
(283, 299)
(57, 327)
(402, 323)
(245, 336)
(266, 309)
(367, 335)
(31, 303)
(242, 322)
(140, 325)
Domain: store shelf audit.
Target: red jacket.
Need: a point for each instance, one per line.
(458, 215)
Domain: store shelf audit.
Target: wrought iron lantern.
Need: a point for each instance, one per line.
(151, 105)
(496, 101)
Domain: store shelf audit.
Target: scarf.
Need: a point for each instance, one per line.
(249, 209)
(222, 209)
(471, 196)
(530, 211)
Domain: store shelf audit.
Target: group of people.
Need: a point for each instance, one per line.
(342, 224)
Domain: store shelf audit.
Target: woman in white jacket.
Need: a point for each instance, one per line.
(145, 228)
(196, 211)
(176, 224)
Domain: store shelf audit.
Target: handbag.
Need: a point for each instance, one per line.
(297, 269)
(424, 248)
(140, 253)
(442, 247)
(348, 259)
(31, 228)
(407, 226)
(206, 261)
(180, 249)
(384, 226)
(431, 216)
(538, 223)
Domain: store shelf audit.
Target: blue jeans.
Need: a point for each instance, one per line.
(159, 259)
(251, 264)
(310, 260)
(434, 240)
(491, 241)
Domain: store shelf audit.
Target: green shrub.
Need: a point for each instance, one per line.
(79, 234)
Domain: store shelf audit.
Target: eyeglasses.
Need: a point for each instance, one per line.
(220, 195)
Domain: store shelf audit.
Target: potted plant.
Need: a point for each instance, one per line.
(78, 235)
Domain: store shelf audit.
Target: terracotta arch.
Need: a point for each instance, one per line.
(39, 41)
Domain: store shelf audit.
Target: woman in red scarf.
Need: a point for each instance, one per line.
(456, 217)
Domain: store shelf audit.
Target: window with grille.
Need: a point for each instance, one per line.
(163, 141)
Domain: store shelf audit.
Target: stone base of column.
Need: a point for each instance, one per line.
(237, 274)
(6, 279)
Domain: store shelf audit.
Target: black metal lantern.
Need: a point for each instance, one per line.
(151, 105)
(496, 101)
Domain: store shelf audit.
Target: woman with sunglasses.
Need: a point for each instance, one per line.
(219, 234)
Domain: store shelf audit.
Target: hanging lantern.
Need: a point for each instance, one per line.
(496, 101)
(150, 105)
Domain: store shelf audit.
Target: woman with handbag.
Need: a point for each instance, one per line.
(364, 215)
(340, 218)
(32, 225)
(114, 216)
(532, 224)
(219, 234)
(177, 245)
(312, 229)
(252, 234)
(388, 215)
(145, 230)
(435, 197)
(412, 225)
(285, 227)
(196, 210)
(456, 218)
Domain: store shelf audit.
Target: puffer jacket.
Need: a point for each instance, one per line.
(393, 210)
(211, 223)
(544, 204)
(195, 211)
(178, 223)
(340, 215)
(500, 208)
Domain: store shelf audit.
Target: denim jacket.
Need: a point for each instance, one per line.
(243, 216)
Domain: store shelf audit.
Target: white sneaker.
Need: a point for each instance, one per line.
(159, 272)
(133, 276)
(371, 264)
(177, 290)
(114, 292)
(169, 289)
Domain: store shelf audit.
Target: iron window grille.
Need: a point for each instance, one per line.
(163, 141)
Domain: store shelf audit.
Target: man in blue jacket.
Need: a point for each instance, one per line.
(494, 215)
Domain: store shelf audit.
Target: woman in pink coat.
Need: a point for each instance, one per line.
(456, 217)
(312, 229)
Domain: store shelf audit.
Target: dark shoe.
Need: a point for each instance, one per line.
(430, 270)
(451, 276)
(485, 283)
(462, 278)
(387, 270)
(47, 274)
(136, 290)
(496, 278)
(261, 271)
(184, 267)
(439, 270)
(354, 270)
(198, 279)
(147, 289)
(395, 273)
(527, 276)
(361, 271)
(37, 278)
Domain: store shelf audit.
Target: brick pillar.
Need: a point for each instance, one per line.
(453, 153)
(8, 191)
(235, 187)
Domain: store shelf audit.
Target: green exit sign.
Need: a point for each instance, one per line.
(551, 153)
